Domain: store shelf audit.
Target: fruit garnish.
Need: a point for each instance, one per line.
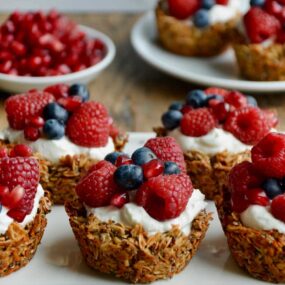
(120, 199)
(182, 9)
(22, 150)
(278, 206)
(143, 155)
(153, 168)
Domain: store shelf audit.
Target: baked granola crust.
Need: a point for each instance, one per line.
(61, 178)
(259, 252)
(209, 173)
(261, 63)
(18, 245)
(181, 38)
(128, 252)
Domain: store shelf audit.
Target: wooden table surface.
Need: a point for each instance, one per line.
(135, 93)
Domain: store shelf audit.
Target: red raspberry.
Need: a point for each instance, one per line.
(21, 108)
(197, 122)
(268, 155)
(257, 196)
(222, 2)
(98, 187)
(220, 109)
(257, 30)
(244, 176)
(236, 99)
(272, 118)
(216, 91)
(58, 90)
(278, 206)
(186, 109)
(239, 202)
(167, 149)
(248, 124)
(165, 197)
(120, 199)
(89, 125)
(182, 9)
(275, 8)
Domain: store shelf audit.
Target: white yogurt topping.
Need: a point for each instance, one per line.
(5, 220)
(131, 214)
(260, 218)
(217, 140)
(53, 150)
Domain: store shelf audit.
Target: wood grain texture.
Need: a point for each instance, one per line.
(135, 93)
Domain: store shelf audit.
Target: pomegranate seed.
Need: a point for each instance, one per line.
(23, 150)
(6, 66)
(277, 207)
(3, 152)
(11, 199)
(257, 197)
(18, 48)
(120, 199)
(220, 110)
(186, 109)
(31, 133)
(239, 202)
(36, 122)
(35, 62)
(4, 190)
(71, 103)
(17, 215)
(123, 160)
(153, 168)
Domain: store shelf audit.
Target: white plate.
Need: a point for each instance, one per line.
(219, 71)
(12, 83)
(58, 260)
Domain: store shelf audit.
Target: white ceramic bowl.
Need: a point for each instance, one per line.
(14, 84)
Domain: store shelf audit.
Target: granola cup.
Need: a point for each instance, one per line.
(259, 252)
(61, 178)
(209, 173)
(128, 252)
(179, 37)
(261, 63)
(18, 245)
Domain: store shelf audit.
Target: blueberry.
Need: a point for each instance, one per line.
(207, 4)
(272, 188)
(142, 155)
(259, 3)
(53, 129)
(0, 207)
(201, 18)
(55, 111)
(112, 157)
(196, 98)
(171, 168)
(176, 106)
(79, 90)
(251, 101)
(171, 119)
(129, 176)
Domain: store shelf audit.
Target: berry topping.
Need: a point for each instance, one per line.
(123, 160)
(222, 2)
(79, 90)
(55, 111)
(216, 91)
(31, 133)
(236, 99)
(3, 152)
(268, 155)
(259, 31)
(21, 108)
(272, 188)
(97, 188)
(153, 168)
(220, 110)
(143, 155)
(248, 124)
(53, 129)
(89, 125)
(239, 202)
(112, 157)
(13, 197)
(171, 119)
(171, 168)
(167, 149)
(177, 106)
(196, 98)
(70, 104)
(257, 197)
(201, 18)
(129, 177)
(58, 90)
(165, 197)
(207, 4)
(182, 9)
(120, 199)
(259, 3)
(36, 122)
(271, 116)
(22, 150)
(197, 122)
(277, 207)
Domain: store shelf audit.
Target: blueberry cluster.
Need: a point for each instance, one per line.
(142, 165)
(56, 116)
(273, 187)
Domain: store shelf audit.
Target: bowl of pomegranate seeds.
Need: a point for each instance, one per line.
(39, 49)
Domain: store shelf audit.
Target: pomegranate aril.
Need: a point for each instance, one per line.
(3, 152)
(186, 109)
(278, 206)
(71, 103)
(220, 110)
(17, 215)
(36, 122)
(153, 168)
(120, 199)
(22, 150)
(123, 160)
(31, 133)
(18, 48)
(11, 199)
(257, 197)
(4, 190)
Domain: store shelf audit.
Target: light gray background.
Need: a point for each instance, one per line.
(78, 5)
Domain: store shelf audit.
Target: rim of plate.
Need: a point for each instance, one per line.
(110, 54)
(141, 34)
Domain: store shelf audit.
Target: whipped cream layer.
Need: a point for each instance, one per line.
(53, 150)
(131, 214)
(6, 221)
(260, 218)
(217, 140)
